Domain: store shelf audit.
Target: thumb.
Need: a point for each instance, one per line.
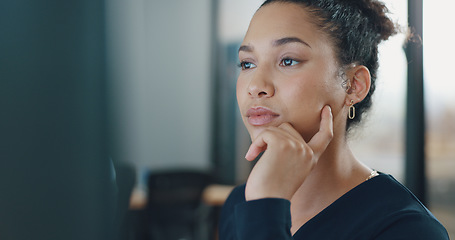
(321, 139)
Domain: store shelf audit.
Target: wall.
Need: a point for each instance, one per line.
(160, 67)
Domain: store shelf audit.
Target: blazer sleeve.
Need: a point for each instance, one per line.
(261, 219)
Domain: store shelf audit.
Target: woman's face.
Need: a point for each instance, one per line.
(289, 72)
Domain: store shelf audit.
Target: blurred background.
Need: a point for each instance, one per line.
(119, 118)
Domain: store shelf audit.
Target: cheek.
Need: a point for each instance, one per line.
(240, 88)
(308, 93)
(308, 99)
(241, 95)
(306, 119)
(304, 103)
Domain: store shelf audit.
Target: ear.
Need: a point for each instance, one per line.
(359, 83)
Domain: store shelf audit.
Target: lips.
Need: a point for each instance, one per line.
(259, 116)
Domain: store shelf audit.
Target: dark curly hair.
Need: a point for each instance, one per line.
(356, 27)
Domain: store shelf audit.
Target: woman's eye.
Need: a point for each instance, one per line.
(246, 65)
(288, 62)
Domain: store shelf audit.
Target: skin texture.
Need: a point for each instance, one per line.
(294, 107)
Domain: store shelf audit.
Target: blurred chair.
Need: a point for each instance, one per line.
(175, 210)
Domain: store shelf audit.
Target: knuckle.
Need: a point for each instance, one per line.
(287, 144)
(306, 151)
(330, 134)
(310, 153)
(291, 145)
(285, 124)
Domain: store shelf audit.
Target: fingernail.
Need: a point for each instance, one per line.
(330, 109)
(246, 155)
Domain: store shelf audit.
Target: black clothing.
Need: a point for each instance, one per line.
(380, 208)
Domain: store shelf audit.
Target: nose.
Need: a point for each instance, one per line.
(261, 85)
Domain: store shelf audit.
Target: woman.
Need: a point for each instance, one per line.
(308, 69)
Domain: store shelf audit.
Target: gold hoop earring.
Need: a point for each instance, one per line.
(351, 114)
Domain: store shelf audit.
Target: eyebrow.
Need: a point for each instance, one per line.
(286, 40)
(246, 48)
(276, 43)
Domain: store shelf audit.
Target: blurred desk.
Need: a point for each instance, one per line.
(216, 195)
(138, 200)
(213, 195)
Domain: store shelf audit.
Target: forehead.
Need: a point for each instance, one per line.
(278, 20)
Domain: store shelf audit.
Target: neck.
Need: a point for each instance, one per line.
(336, 172)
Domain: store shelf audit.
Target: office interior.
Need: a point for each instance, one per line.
(119, 117)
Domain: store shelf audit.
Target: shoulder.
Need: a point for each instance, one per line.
(413, 225)
(401, 214)
(393, 195)
(380, 208)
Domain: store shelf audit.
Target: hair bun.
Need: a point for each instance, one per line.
(377, 12)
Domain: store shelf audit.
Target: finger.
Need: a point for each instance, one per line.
(260, 143)
(253, 152)
(285, 130)
(289, 129)
(322, 138)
